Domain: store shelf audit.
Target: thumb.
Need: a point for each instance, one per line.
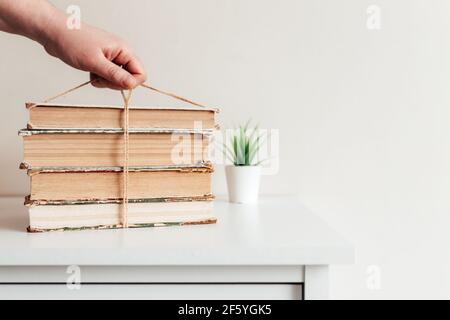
(114, 74)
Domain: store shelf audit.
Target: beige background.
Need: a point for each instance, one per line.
(363, 115)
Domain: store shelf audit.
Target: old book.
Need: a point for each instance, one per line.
(56, 116)
(105, 147)
(59, 216)
(74, 156)
(87, 184)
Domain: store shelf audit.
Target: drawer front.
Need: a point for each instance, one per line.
(153, 291)
(152, 274)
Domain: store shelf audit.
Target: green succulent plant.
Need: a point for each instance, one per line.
(243, 146)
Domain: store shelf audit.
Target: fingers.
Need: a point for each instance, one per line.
(115, 75)
(135, 68)
(124, 72)
(131, 63)
(99, 82)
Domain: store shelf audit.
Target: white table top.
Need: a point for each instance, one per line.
(277, 231)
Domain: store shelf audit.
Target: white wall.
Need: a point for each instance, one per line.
(362, 114)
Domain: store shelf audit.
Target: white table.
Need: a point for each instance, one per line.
(274, 250)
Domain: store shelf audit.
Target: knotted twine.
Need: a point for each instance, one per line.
(126, 135)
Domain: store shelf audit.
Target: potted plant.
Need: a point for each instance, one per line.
(243, 176)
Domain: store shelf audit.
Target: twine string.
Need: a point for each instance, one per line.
(143, 85)
(69, 91)
(172, 95)
(126, 135)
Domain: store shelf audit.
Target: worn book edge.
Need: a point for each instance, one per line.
(28, 202)
(203, 166)
(30, 105)
(30, 132)
(133, 226)
(30, 126)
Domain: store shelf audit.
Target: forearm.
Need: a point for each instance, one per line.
(34, 19)
(108, 58)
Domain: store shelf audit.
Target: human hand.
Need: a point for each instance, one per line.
(109, 59)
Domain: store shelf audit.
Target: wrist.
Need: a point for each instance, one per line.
(48, 24)
(29, 18)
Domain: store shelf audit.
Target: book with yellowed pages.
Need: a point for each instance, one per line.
(56, 116)
(74, 156)
(88, 147)
(79, 215)
(104, 183)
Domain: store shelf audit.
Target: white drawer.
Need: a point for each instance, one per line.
(154, 274)
(153, 291)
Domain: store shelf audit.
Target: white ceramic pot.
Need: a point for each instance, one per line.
(243, 183)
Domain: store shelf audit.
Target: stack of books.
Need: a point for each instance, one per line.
(74, 156)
